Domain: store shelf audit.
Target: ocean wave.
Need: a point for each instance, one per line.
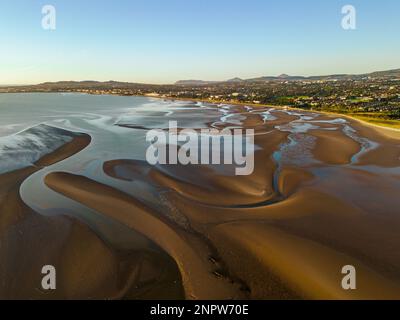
(26, 147)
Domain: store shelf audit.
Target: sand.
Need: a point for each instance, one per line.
(334, 147)
(309, 269)
(198, 279)
(283, 232)
(87, 267)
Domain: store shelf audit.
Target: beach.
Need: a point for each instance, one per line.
(323, 195)
(89, 267)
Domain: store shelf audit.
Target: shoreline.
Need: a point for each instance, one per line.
(275, 234)
(29, 241)
(284, 108)
(237, 104)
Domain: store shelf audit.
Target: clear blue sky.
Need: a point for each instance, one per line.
(161, 41)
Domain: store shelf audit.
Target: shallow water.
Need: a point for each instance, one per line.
(32, 125)
(116, 126)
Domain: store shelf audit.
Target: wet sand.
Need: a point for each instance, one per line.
(324, 194)
(87, 267)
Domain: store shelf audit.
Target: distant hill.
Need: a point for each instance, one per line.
(281, 77)
(87, 83)
(235, 80)
(203, 82)
(91, 84)
(389, 73)
(395, 73)
(194, 82)
(98, 85)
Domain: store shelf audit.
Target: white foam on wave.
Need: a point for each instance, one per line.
(267, 116)
(233, 118)
(333, 121)
(24, 148)
(297, 127)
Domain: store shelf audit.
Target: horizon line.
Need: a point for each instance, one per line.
(194, 79)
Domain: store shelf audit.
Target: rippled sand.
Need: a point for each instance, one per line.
(324, 194)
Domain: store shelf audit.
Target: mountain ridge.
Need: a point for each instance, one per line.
(286, 77)
(392, 73)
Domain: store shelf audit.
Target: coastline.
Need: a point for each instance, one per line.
(365, 122)
(199, 232)
(284, 108)
(29, 241)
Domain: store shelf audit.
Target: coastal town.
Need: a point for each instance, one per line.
(375, 95)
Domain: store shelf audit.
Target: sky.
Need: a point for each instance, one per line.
(162, 41)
